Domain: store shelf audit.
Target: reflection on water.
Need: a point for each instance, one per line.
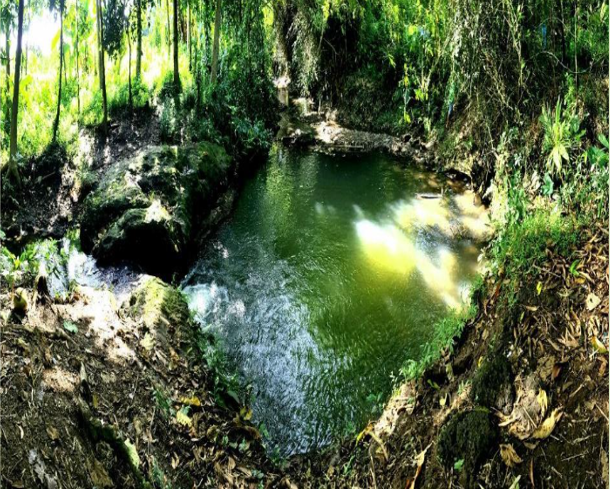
(329, 276)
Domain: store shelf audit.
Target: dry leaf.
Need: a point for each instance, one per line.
(148, 342)
(592, 301)
(183, 419)
(420, 459)
(546, 428)
(191, 401)
(53, 433)
(598, 345)
(543, 401)
(556, 371)
(509, 455)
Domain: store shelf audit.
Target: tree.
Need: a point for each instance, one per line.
(61, 63)
(101, 63)
(138, 38)
(216, 42)
(176, 73)
(12, 166)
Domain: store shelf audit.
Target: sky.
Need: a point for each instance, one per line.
(40, 33)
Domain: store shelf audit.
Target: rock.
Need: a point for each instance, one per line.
(144, 208)
(161, 308)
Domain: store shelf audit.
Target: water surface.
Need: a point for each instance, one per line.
(331, 274)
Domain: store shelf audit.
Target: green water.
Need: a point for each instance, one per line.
(326, 279)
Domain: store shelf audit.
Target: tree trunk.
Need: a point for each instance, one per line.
(8, 59)
(168, 33)
(188, 38)
(77, 72)
(216, 42)
(61, 66)
(139, 39)
(129, 70)
(12, 165)
(176, 73)
(101, 68)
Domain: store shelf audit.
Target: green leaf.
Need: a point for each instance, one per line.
(71, 327)
(459, 465)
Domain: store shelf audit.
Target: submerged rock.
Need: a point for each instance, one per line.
(145, 207)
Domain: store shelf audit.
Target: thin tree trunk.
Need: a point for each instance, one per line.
(61, 66)
(101, 68)
(576, 44)
(129, 57)
(139, 40)
(77, 72)
(176, 73)
(216, 42)
(12, 165)
(188, 38)
(168, 33)
(8, 59)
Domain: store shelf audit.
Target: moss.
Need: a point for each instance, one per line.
(469, 436)
(155, 196)
(157, 302)
(490, 380)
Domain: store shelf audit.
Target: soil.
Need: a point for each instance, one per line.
(88, 401)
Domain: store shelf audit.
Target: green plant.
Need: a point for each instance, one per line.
(561, 136)
(445, 331)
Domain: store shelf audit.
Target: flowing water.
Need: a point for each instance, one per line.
(330, 274)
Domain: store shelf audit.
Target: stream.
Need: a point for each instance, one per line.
(327, 278)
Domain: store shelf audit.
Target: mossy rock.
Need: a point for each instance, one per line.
(492, 382)
(469, 436)
(144, 208)
(158, 304)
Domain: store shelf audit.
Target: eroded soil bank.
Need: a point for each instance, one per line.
(119, 388)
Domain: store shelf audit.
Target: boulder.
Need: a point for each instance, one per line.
(145, 207)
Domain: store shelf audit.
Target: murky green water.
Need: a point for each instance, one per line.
(331, 274)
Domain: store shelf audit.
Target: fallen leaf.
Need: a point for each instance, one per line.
(175, 461)
(183, 418)
(419, 460)
(598, 345)
(132, 454)
(509, 455)
(515, 484)
(191, 401)
(546, 428)
(148, 342)
(592, 301)
(53, 433)
(543, 401)
(556, 371)
(70, 327)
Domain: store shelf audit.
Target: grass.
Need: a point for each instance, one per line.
(521, 250)
(445, 332)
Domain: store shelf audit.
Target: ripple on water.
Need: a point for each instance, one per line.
(329, 276)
